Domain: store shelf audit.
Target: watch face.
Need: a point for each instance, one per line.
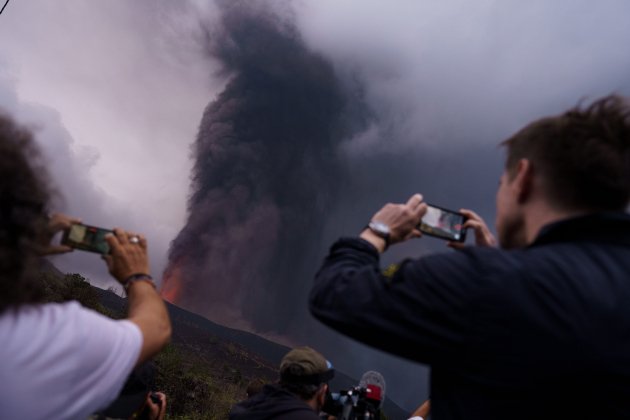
(381, 229)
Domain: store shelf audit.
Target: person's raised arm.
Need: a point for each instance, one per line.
(128, 263)
(414, 310)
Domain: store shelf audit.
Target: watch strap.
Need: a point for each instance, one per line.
(382, 235)
(137, 277)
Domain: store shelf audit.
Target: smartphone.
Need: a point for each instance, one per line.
(443, 223)
(86, 238)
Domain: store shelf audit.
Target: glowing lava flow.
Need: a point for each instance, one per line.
(172, 283)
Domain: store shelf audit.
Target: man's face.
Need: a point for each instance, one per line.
(509, 222)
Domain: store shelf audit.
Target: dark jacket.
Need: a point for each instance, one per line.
(540, 332)
(273, 403)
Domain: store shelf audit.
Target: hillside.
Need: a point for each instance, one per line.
(207, 367)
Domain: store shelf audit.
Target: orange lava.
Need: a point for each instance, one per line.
(172, 283)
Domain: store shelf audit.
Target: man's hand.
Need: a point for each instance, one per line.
(156, 410)
(58, 222)
(402, 220)
(423, 411)
(126, 256)
(483, 236)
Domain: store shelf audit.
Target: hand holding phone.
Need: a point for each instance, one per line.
(483, 236)
(128, 255)
(399, 220)
(57, 222)
(156, 403)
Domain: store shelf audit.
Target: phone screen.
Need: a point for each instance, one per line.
(443, 223)
(87, 238)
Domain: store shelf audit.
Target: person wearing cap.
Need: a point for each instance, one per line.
(299, 395)
(61, 360)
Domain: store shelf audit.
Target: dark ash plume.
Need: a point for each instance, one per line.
(266, 173)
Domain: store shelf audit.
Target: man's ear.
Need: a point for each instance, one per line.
(321, 395)
(523, 180)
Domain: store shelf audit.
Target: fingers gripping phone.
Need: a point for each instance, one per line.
(443, 223)
(86, 238)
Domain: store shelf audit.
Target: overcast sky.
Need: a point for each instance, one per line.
(116, 90)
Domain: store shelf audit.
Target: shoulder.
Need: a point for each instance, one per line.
(460, 280)
(43, 317)
(469, 266)
(55, 316)
(59, 325)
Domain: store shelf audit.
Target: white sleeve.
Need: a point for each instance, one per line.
(415, 418)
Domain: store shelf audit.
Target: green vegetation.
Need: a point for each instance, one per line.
(74, 287)
(201, 375)
(193, 389)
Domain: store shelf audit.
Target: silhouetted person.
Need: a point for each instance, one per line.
(60, 360)
(543, 321)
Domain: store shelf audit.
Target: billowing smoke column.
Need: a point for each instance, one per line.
(265, 175)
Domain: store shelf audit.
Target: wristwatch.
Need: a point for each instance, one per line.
(381, 230)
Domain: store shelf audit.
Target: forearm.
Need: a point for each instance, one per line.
(376, 241)
(349, 281)
(148, 311)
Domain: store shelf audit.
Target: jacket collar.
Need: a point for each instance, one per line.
(613, 227)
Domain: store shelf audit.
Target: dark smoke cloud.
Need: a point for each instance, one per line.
(277, 176)
(267, 171)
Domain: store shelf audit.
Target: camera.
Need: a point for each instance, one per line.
(357, 403)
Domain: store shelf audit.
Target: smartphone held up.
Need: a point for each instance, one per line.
(443, 223)
(86, 238)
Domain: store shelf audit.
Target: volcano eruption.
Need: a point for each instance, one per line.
(266, 173)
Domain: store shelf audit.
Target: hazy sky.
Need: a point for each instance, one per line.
(119, 87)
(116, 90)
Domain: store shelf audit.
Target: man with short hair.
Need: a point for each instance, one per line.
(540, 328)
(299, 395)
